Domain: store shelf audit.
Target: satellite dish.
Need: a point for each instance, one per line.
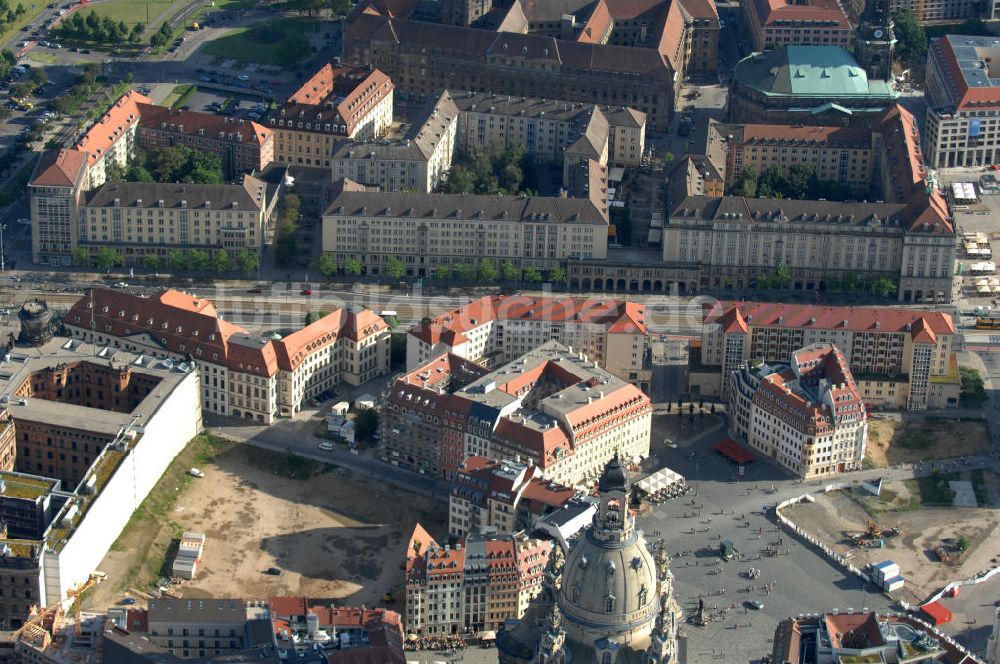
(878, 33)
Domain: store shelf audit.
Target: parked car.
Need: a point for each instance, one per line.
(326, 447)
(273, 571)
(306, 291)
(120, 284)
(127, 601)
(757, 604)
(194, 472)
(244, 77)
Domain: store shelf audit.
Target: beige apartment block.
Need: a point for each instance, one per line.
(425, 231)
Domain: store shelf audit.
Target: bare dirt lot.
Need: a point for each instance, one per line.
(917, 438)
(330, 535)
(835, 516)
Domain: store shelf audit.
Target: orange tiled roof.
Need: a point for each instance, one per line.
(770, 12)
(60, 168)
(450, 328)
(348, 92)
(855, 319)
(177, 319)
(122, 116)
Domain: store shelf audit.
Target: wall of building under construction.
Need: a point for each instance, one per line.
(167, 431)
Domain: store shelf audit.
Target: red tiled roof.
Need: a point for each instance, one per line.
(671, 42)
(214, 127)
(60, 168)
(597, 26)
(853, 630)
(280, 605)
(347, 92)
(701, 9)
(420, 540)
(770, 12)
(901, 142)
(114, 124)
(856, 319)
(176, 319)
(621, 317)
(789, 134)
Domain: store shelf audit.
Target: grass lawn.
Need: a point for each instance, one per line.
(29, 16)
(933, 489)
(133, 11)
(179, 95)
(273, 43)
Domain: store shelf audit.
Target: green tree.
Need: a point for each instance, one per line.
(487, 270)
(460, 181)
(291, 206)
(39, 77)
(394, 268)
(764, 282)
(314, 316)
(557, 275)
(365, 423)
(326, 265)
(531, 275)
(222, 261)
(887, 287)
(81, 256)
(442, 272)
(135, 35)
(911, 39)
(248, 261)
(509, 271)
(177, 259)
(511, 177)
(200, 259)
(747, 184)
(963, 544)
(783, 276)
(151, 261)
(352, 265)
(107, 258)
(285, 248)
(464, 271)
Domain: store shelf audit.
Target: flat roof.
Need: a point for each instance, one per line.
(62, 350)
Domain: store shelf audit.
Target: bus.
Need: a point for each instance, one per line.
(988, 322)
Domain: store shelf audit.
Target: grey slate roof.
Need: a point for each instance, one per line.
(409, 205)
(246, 196)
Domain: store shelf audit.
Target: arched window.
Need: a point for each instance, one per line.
(606, 658)
(609, 604)
(576, 594)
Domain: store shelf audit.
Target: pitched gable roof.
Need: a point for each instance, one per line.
(113, 125)
(60, 167)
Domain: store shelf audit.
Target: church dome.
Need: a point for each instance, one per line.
(614, 477)
(611, 586)
(609, 581)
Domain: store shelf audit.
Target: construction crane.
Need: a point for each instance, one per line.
(76, 594)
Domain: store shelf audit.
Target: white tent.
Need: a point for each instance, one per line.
(661, 480)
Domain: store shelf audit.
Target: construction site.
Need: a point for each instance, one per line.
(932, 544)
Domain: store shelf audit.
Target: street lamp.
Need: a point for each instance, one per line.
(3, 227)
